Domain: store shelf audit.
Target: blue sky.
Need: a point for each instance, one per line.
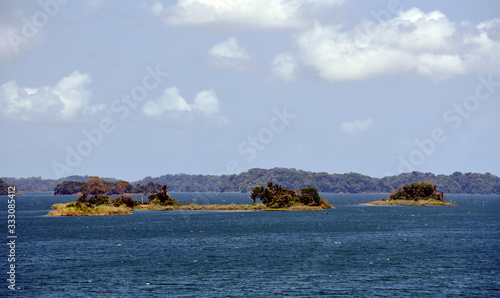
(129, 89)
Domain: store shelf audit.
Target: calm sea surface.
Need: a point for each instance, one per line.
(354, 250)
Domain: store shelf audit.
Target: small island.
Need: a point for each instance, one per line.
(415, 194)
(276, 197)
(273, 197)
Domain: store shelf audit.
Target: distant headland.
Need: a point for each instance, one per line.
(466, 183)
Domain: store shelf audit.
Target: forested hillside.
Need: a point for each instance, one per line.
(457, 182)
(38, 184)
(335, 183)
(4, 188)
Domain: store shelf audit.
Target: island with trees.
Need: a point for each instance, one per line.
(415, 194)
(94, 200)
(3, 188)
(274, 197)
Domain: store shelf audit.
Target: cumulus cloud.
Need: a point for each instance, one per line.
(65, 101)
(284, 67)
(425, 44)
(249, 13)
(206, 104)
(356, 126)
(483, 44)
(228, 54)
(169, 101)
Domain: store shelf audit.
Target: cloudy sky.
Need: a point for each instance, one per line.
(129, 89)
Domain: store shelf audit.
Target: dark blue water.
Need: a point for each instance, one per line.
(361, 251)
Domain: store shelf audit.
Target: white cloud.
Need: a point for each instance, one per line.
(355, 126)
(65, 101)
(169, 101)
(229, 49)
(248, 13)
(206, 104)
(228, 54)
(284, 66)
(484, 44)
(414, 42)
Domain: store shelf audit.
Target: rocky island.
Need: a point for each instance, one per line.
(415, 194)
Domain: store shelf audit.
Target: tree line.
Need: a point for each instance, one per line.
(4, 188)
(110, 188)
(469, 183)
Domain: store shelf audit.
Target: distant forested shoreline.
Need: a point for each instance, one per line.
(467, 183)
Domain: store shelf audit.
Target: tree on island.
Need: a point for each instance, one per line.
(97, 188)
(123, 187)
(276, 196)
(418, 191)
(310, 196)
(3, 188)
(162, 198)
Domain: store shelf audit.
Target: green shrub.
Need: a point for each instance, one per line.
(310, 196)
(99, 200)
(127, 201)
(416, 192)
(275, 196)
(162, 199)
